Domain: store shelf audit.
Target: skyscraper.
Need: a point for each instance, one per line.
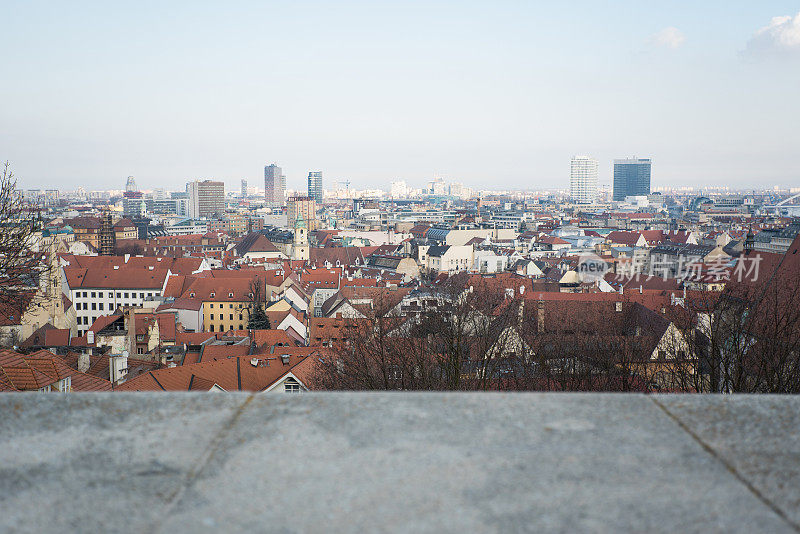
(206, 198)
(583, 179)
(130, 185)
(315, 185)
(244, 189)
(631, 177)
(274, 186)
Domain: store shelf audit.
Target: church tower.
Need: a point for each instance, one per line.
(300, 245)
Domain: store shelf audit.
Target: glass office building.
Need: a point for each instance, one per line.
(315, 186)
(631, 177)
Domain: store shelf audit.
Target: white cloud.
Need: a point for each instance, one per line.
(669, 37)
(781, 35)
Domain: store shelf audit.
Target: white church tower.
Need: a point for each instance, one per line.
(300, 246)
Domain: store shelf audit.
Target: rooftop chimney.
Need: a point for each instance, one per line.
(83, 362)
(540, 316)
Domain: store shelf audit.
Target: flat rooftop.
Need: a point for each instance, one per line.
(398, 462)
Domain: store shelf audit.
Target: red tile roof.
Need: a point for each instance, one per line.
(231, 374)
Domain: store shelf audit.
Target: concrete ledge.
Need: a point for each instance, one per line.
(407, 462)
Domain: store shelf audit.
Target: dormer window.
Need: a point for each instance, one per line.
(191, 294)
(212, 295)
(230, 295)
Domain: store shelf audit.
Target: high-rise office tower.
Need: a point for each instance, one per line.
(631, 177)
(274, 186)
(583, 179)
(206, 198)
(244, 189)
(130, 185)
(315, 185)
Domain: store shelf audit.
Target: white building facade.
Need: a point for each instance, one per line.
(583, 179)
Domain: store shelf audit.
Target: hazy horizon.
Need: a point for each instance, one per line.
(496, 96)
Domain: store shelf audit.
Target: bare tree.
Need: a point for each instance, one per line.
(446, 338)
(21, 267)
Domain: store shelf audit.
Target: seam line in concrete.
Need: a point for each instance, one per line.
(204, 460)
(729, 466)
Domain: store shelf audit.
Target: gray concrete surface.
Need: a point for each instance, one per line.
(398, 462)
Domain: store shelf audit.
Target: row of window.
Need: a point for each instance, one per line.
(211, 305)
(230, 316)
(222, 328)
(101, 294)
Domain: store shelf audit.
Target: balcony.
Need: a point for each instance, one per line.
(422, 462)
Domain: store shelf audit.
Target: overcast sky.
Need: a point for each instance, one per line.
(493, 94)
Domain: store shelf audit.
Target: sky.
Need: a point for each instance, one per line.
(496, 95)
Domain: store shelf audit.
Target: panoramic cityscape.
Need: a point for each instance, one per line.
(585, 279)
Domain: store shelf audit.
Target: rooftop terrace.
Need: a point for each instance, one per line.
(364, 462)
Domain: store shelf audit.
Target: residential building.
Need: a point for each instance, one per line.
(100, 285)
(631, 177)
(583, 179)
(446, 258)
(206, 198)
(305, 207)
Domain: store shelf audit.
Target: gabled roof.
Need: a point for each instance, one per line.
(102, 278)
(255, 242)
(335, 256)
(19, 372)
(237, 373)
(437, 251)
(625, 238)
(47, 336)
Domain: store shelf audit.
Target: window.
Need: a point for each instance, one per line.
(94, 306)
(240, 316)
(126, 295)
(211, 328)
(93, 294)
(230, 306)
(100, 306)
(119, 295)
(212, 316)
(100, 294)
(65, 384)
(241, 327)
(231, 317)
(291, 386)
(141, 295)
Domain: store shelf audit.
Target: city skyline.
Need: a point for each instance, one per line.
(365, 100)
